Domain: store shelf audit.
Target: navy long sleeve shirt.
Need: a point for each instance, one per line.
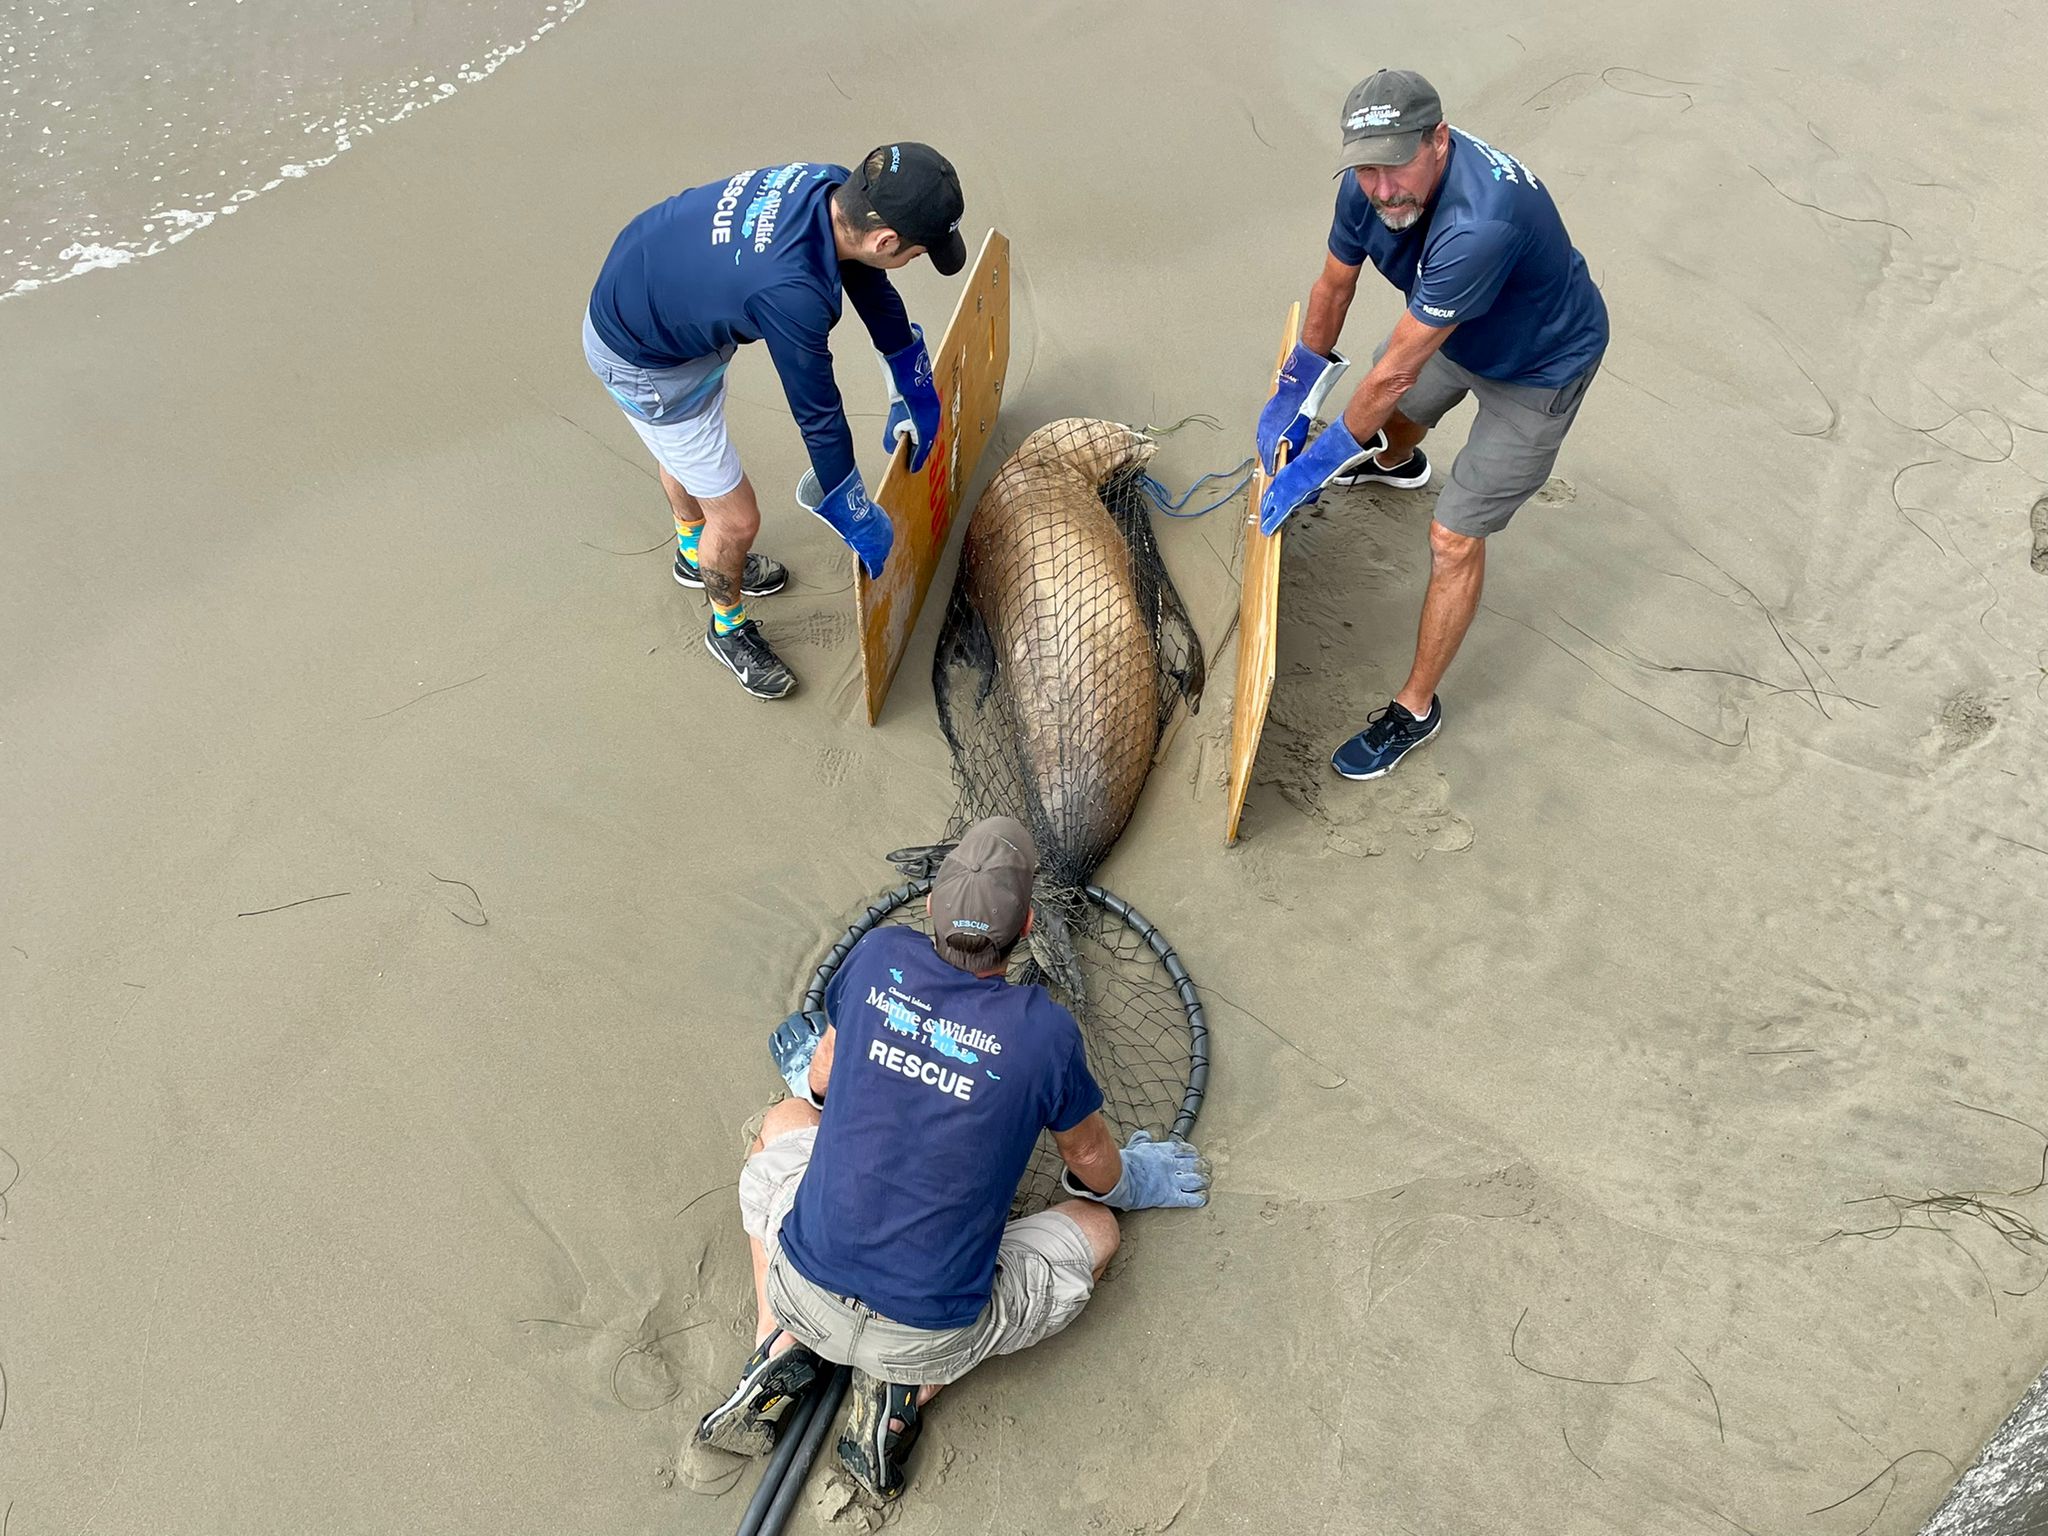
(747, 259)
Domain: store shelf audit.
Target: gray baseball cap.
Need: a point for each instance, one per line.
(1385, 117)
(981, 896)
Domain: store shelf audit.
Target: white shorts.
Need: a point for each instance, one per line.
(696, 451)
(679, 413)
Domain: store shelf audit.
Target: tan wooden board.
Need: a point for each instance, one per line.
(967, 368)
(1258, 622)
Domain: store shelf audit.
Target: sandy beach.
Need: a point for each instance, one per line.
(1545, 1069)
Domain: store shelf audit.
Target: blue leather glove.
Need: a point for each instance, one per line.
(913, 401)
(792, 1044)
(1305, 382)
(848, 513)
(1156, 1174)
(1301, 480)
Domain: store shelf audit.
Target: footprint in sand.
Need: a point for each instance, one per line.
(827, 629)
(833, 765)
(1962, 722)
(1556, 491)
(2040, 522)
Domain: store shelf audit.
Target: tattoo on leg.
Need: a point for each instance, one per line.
(721, 588)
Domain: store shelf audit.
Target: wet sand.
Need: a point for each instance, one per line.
(1543, 1069)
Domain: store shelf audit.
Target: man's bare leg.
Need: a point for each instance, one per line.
(731, 523)
(1457, 572)
(1402, 436)
(782, 1119)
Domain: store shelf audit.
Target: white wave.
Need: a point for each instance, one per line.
(165, 226)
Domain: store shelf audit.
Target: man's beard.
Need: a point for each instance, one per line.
(1399, 216)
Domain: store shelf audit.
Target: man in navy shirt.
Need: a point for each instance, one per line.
(765, 256)
(876, 1199)
(1500, 307)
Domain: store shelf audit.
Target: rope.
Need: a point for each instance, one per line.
(1171, 505)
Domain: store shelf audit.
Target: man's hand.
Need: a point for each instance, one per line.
(1156, 1174)
(792, 1044)
(913, 401)
(1305, 381)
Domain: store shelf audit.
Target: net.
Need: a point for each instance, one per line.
(1064, 652)
(1140, 1015)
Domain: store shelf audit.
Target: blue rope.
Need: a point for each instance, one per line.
(1171, 505)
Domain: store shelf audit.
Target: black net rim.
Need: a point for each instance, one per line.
(1110, 902)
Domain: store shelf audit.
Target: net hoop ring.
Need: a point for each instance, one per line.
(1115, 906)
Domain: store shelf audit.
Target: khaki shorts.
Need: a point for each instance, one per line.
(1044, 1277)
(1512, 446)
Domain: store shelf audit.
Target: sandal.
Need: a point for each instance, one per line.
(747, 1422)
(873, 1453)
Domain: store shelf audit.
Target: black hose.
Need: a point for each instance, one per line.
(778, 1465)
(799, 1469)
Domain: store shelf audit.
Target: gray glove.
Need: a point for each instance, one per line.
(1156, 1174)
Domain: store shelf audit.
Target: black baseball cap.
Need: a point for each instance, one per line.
(915, 190)
(1385, 117)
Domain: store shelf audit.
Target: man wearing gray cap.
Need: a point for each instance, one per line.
(1500, 307)
(876, 1198)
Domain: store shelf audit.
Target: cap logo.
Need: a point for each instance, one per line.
(895, 157)
(1373, 117)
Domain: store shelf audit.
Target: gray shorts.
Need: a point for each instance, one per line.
(1045, 1273)
(1513, 445)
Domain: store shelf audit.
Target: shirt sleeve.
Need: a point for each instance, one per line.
(1344, 242)
(878, 304)
(1075, 1095)
(1462, 273)
(795, 321)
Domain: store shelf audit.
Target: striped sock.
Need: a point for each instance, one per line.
(728, 619)
(687, 535)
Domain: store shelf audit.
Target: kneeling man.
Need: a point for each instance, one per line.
(876, 1200)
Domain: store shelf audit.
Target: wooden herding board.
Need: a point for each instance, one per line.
(967, 369)
(1258, 622)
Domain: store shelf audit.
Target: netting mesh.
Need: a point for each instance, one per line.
(1065, 646)
(1064, 652)
(1139, 1013)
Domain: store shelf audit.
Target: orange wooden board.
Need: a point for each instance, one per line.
(967, 369)
(1258, 622)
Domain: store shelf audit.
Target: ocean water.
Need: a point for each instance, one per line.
(129, 125)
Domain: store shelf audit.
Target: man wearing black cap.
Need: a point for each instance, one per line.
(876, 1198)
(765, 256)
(1500, 307)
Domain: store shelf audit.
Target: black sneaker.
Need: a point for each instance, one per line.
(761, 578)
(748, 1421)
(1389, 735)
(751, 659)
(1367, 470)
(873, 1453)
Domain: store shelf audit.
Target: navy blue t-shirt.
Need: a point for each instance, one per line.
(941, 1082)
(1492, 258)
(749, 259)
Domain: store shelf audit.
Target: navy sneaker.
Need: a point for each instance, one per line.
(761, 577)
(1390, 734)
(1366, 469)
